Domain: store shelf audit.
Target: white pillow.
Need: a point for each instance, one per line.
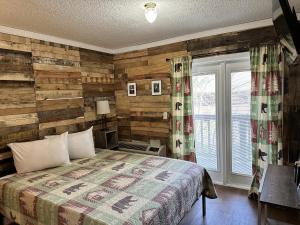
(41, 154)
(80, 144)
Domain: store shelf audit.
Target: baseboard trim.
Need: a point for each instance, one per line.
(238, 186)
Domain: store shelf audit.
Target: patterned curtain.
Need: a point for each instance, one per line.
(267, 66)
(182, 131)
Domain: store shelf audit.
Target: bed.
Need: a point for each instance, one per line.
(112, 188)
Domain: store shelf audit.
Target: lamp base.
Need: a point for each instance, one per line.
(103, 123)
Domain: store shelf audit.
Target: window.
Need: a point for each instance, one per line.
(204, 100)
(240, 122)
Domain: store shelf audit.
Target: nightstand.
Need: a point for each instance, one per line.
(106, 139)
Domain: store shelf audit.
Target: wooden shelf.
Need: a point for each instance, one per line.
(106, 139)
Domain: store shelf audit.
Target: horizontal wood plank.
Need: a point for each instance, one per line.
(16, 120)
(55, 68)
(46, 105)
(61, 123)
(60, 114)
(231, 42)
(7, 76)
(22, 136)
(58, 94)
(17, 111)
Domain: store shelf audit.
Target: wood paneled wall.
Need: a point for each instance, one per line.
(141, 117)
(291, 115)
(48, 88)
(98, 83)
(58, 87)
(232, 42)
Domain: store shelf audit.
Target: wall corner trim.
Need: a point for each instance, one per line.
(45, 37)
(50, 38)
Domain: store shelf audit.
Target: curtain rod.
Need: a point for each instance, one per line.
(167, 59)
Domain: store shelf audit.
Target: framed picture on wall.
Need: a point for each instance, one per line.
(156, 87)
(131, 89)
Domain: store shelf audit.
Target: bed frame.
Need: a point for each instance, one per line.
(203, 205)
(6, 162)
(7, 167)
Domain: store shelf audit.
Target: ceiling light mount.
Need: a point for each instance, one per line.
(150, 11)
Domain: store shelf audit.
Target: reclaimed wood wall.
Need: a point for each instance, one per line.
(18, 114)
(232, 42)
(141, 117)
(58, 87)
(291, 115)
(48, 88)
(97, 71)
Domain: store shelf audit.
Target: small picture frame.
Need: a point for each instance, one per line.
(156, 87)
(131, 89)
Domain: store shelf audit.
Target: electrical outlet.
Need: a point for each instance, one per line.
(165, 115)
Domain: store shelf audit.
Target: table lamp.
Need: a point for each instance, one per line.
(103, 109)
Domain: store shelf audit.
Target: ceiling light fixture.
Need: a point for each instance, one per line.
(150, 11)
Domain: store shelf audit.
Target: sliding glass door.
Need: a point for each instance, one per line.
(221, 102)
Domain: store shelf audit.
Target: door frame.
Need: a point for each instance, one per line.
(232, 178)
(224, 175)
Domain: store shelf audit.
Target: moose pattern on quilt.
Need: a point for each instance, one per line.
(116, 188)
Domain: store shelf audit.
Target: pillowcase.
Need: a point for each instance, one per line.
(41, 154)
(80, 144)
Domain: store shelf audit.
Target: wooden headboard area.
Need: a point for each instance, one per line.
(48, 88)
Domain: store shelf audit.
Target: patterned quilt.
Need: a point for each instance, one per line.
(113, 188)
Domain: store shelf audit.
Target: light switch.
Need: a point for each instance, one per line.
(165, 115)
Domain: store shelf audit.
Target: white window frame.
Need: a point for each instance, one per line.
(226, 65)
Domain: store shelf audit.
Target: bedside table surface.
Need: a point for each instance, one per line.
(279, 187)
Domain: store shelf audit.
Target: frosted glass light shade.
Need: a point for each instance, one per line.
(150, 12)
(103, 107)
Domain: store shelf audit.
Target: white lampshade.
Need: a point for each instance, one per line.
(103, 107)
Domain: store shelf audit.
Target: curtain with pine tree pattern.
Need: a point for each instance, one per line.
(267, 66)
(182, 131)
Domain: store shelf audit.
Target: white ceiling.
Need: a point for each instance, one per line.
(115, 24)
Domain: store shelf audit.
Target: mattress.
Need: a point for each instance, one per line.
(112, 188)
